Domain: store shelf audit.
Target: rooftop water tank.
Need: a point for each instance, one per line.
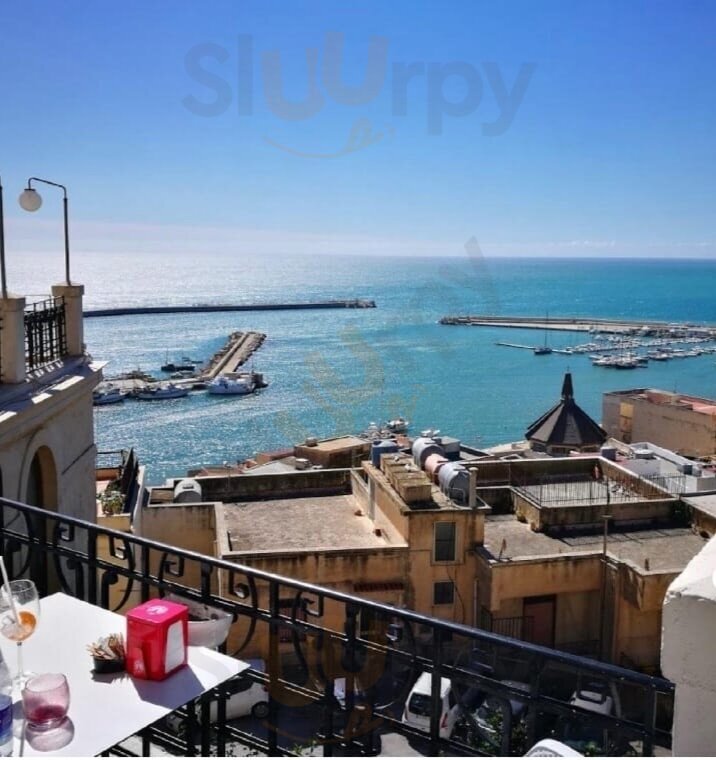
(433, 465)
(455, 481)
(300, 463)
(379, 448)
(423, 448)
(187, 491)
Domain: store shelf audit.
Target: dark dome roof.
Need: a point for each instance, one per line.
(566, 424)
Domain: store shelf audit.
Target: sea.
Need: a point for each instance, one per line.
(334, 372)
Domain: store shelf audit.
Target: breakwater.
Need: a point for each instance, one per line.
(122, 311)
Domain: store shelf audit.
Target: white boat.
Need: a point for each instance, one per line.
(108, 396)
(163, 392)
(398, 425)
(231, 386)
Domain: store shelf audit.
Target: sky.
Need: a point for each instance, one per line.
(541, 129)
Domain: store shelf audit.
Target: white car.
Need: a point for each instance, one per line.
(250, 699)
(417, 707)
(597, 697)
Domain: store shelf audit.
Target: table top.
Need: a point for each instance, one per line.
(104, 709)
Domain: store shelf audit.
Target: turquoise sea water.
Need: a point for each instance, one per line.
(332, 372)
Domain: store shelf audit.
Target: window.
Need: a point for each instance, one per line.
(444, 542)
(443, 592)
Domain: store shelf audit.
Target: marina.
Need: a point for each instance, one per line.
(639, 327)
(615, 344)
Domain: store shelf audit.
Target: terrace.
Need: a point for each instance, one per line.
(311, 636)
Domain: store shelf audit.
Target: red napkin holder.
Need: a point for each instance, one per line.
(157, 635)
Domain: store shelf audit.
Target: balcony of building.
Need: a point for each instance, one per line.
(339, 670)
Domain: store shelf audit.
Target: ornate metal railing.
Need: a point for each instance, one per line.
(339, 669)
(45, 332)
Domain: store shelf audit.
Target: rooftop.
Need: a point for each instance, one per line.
(311, 524)
(566, 423)
(338, 444)
(667, 549)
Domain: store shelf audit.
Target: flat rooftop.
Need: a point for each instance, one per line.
(338, 444)
(665, 548)
(318, 523)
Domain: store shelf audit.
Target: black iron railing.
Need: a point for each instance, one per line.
(45, 333)
(339, 669)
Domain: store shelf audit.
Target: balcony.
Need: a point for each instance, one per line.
(339, 669)
(45, 333)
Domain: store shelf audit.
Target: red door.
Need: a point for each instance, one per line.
(540, 609)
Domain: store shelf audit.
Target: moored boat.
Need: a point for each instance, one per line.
(231, 386)
(398, 425)
(109, 396)
(162, 393)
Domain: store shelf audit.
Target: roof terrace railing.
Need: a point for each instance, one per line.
(504, 694)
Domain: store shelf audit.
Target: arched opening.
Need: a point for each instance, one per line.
(42, 480)
(41, 491)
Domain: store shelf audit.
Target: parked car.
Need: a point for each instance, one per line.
(599, 697)
(251, 698)
(417, 706)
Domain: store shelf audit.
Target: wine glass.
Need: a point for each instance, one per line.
(27, 607)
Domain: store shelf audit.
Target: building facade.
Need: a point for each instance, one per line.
(47, 450)
(684, 424)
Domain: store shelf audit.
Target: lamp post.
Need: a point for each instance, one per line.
(3, 279)
(31, 200)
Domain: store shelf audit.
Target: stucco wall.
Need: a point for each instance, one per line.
(63, 423)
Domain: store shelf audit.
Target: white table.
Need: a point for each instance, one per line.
(105, 709)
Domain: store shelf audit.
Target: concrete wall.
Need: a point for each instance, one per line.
(189, 526)
(340, 570)
(546, 575)
(687, 654)
(283, 485)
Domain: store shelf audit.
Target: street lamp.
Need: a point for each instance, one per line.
(31, 200)
(2, 246)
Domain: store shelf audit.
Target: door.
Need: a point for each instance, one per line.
(540, 609)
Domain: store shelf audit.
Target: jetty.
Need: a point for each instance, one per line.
(642, 327)
(237, 351)
(123, 311)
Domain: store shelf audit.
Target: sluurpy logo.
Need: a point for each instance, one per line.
(454, 89)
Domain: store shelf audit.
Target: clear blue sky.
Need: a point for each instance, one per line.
(611, 149)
